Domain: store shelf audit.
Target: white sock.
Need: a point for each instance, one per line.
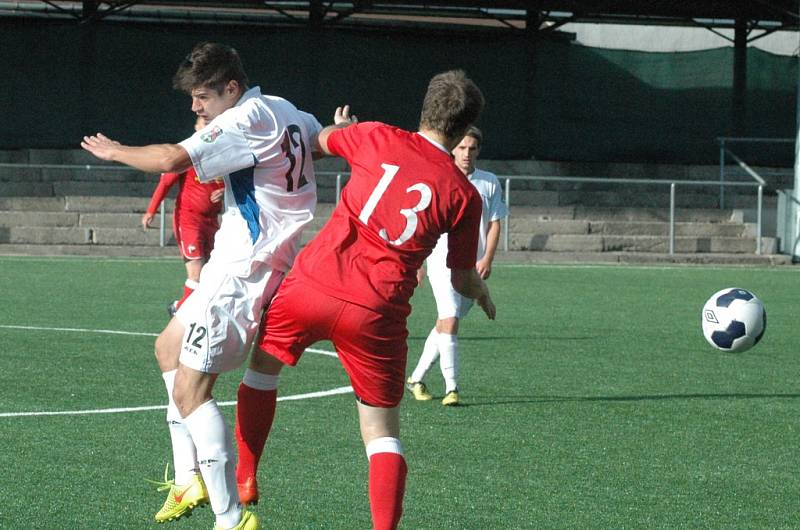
(429, 354)
(448, 361)
(184, 454)
(191, 284)
(384, 445)
(217, 461)
(259, 381)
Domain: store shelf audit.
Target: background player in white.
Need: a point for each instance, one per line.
(442, 342)
(263, 146)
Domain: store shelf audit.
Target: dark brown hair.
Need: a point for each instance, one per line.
(453, 103)
(475, 133)
(210, 65)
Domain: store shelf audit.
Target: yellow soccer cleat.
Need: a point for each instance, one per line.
(181, 500)
(249, 521)
(450, 399)
(418, 390)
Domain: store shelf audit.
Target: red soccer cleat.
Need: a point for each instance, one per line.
(248, 491)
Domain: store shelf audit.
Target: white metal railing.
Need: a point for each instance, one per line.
(340, 177)
(725, 152)
(673, 184)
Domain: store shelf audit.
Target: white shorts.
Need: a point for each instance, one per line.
(222, 315)
(449, 303)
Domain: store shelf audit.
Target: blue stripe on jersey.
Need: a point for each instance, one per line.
(243, 188)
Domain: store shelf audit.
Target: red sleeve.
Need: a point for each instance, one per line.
(166, 182)
(346, 141)
(462, 240)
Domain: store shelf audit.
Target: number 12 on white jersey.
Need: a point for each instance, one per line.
(389, 172)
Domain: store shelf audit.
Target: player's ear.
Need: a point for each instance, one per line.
(232, 88)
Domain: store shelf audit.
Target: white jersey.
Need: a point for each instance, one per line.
(262, 147)
(494, 209)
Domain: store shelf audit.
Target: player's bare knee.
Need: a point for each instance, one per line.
(378, 422)
(166, 352)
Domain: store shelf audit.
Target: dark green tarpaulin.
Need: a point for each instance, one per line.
(548, 100)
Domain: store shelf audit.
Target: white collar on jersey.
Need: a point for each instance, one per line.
(435, 143)
(251, 93)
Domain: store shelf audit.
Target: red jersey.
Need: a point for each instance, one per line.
(404, 192)
(193, 195)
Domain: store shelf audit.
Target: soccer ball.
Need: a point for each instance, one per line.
(734, 320)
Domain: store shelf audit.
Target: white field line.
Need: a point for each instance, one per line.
(80, 330)
(115, 332)
(309, 395)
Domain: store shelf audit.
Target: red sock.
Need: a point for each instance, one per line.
(186, 292)
(387, 485)
(255, 410)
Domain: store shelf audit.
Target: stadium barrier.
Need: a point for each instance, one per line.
(337, 179)
(725, 152)
(760, 184)
(672, 191)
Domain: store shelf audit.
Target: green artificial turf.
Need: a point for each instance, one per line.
(593, 401)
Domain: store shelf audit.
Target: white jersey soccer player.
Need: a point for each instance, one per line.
(451, 307)
(263, 146)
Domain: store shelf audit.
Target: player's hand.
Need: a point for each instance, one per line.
(485, 303)
(342, 116)
(217, 195)
(147, 218)
(484, 268)
(420, 276)
(100, 146)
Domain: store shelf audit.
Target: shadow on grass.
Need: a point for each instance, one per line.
(481, 401)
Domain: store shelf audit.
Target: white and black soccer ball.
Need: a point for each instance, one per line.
(734, 320)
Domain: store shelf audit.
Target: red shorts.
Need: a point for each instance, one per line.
(371, 347)
(194, 234)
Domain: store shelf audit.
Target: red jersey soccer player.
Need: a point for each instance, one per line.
(194, 221)
(352, 283)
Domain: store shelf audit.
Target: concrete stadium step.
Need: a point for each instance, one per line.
(595, 243)
(130, 236)
(125, 204)
(637, 258)
(530, 226)
(33, 204)
(626, 213)
(121, 220)
(511, 257)
(58, 235)
(688, 199)
(38, 218)
(49, 235)
(693, 229)
(97, 211)
(105, 251)
(75, 173)
(106, 204)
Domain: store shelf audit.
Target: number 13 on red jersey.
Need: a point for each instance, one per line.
(389, 172)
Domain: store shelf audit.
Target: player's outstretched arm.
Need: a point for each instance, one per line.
(154, 158)
(468, 283)
(341, 119)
